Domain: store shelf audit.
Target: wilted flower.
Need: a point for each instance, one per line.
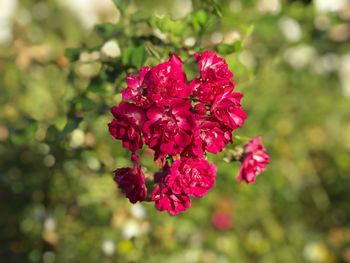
(132, 182)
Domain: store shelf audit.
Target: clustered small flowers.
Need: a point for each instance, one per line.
(180, 121)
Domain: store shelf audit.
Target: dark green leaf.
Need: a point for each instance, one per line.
(96, 86)
(31, 129)
(126, 55)
(72, 54)
(85, 103)
(70, 126)
(109, 30)
(96, 89)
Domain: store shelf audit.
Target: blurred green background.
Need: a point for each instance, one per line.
(62, 65)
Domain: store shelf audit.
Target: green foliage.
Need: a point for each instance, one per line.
(72, 54)
(58, 199)
(225, 49)
(134, 56)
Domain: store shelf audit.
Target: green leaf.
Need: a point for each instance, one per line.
(19, 139)
(199, 20)
(201, 17)
(134, 56)
(138, 57)
(171, 28)
(31, 129)
(52, 133)
(109, 30)
(126, 55)
(226, 49)
(85, 103)
(72, 54)
(238, 45)
(96, 86)
(96, 89)
(250, 30)
(70, 126)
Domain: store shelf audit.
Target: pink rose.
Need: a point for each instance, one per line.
(132, 182)
(168, 130)
(227, 109)
(194, 177)
(127, 124)
(254, 161)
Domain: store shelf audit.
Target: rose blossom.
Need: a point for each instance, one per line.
(166, 200)
(168, 81)
(214, 136)
(254, 161)
(206, 91)
(168, 129)
(180, 123)
(215, 78)
(132, 182)
(194, 177)
(127, 124)
(137, 86)
(195, 149)
(213, 68)
(227, 109)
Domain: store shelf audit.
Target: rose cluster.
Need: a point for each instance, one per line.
(180, 121)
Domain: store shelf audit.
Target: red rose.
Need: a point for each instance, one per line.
(132, 182)
(254, 161)
(213, 68)
(166, 200)
(168, 81)
(127, 124)
(168, 130)
(227, 109)
(194, 177)
(136, 88)
(214, 136)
